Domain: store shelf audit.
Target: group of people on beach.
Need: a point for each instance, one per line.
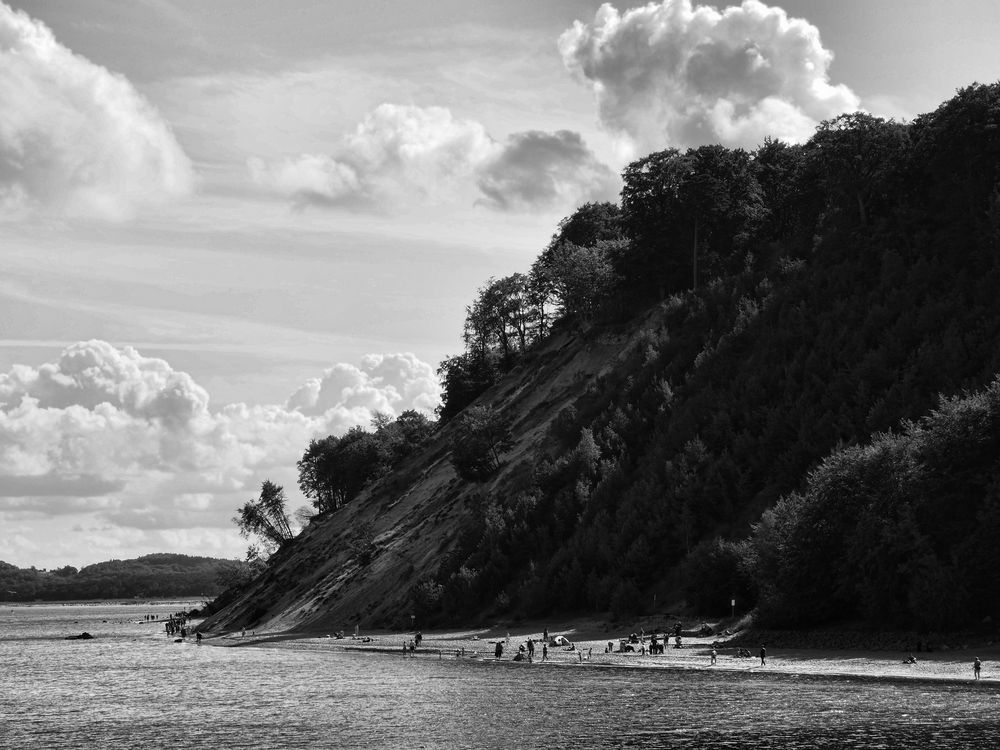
(176, 624)
(525, 651)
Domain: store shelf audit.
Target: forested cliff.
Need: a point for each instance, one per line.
(766, 373)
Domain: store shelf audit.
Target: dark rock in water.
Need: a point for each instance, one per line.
(84, 636)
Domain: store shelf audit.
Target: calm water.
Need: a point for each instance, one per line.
(134, 687)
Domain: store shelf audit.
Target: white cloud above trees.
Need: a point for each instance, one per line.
(75, 138)
(387, 383)
(405, 154)
(678, 74)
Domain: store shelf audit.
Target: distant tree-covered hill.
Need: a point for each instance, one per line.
(153, 576)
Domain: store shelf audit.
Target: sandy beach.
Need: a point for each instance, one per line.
(589, 649)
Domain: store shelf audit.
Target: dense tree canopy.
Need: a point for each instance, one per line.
(838, 287)
(899, 531)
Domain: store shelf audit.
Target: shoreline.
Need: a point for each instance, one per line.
(952, 667)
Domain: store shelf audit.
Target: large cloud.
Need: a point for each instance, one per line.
(404, 154)
(682, 75)
(386, 383)
(74, 137)
(126, 441)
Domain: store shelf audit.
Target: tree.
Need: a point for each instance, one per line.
(334, 470)
(589, 224)
(957, 150)
(315, 468)
(463, 378)
(776, 166)
(502, 318)
(481, 438)
(576, 278)
(650, 214)
(856, 156)
(723, 203)
(265, 518)
(699, 205)
(403, 435)
(579, 258)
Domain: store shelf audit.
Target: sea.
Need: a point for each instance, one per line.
(133, 686)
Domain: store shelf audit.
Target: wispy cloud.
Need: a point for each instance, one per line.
(75, 138)
(680, 74)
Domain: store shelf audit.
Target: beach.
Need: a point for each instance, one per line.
(589, 649)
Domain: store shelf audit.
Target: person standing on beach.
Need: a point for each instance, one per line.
(714, 654)
(545, 651)
(763, 654)
(976, 666)
(498, 651)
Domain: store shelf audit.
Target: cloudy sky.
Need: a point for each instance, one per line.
(229, 227)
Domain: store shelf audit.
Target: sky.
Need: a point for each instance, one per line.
(230, 227)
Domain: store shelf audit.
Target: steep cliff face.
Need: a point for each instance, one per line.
(818, 325)
(420, 511)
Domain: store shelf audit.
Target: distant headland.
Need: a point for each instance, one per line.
(149, 576)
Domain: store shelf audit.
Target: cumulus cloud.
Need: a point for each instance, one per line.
(678, 74)
(386, 383)
(125, 439)
(542, 169)
(402, 154)
(75, 138)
